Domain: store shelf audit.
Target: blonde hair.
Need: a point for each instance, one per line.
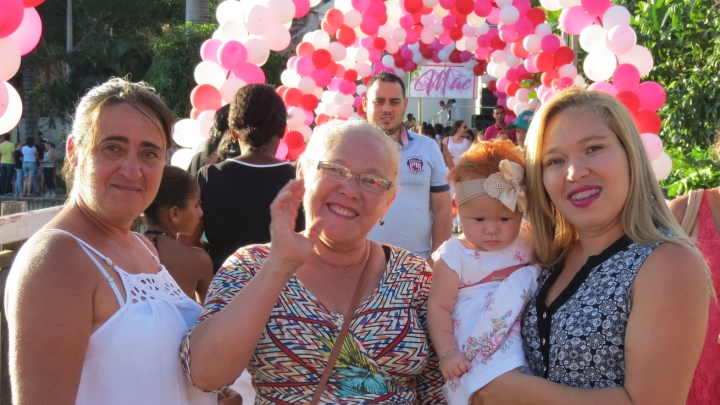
(328, 136)
(645, 209)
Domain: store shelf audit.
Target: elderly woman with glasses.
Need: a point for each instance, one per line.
(280, 309)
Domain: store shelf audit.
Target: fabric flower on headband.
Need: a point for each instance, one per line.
(506, 186)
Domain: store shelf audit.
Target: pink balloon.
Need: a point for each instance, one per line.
(305, 66)
(620, 39)
(448, 21)
(334, 84)
(626, 77)
(595, 7)
(651, 95)
(4, 98)
(524, 27)
(483, 8)
(605, 87)
(494, 17)
(346, 87)
(11, 16)
(574, 19)
(309, 117)
(208, 50)
(322, 77)
(302, 7)
(653, 145)
(249, 73)
(369, 24)
(231, 55)
(530, 64)
(360, 5)
(28, 33)
(507, 33)
(282, 150)
(447, 4)
(550, 43)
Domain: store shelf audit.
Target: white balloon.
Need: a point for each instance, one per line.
(569, 3)
(337, 51)
(399, 34)
(522, 95)
(662, 166)
(345, 111)
(509, 14)
(391, 46)
(362, 55)
(497, 56)
(198, 148)
(533, 104)
(640, 57)
(258, 20)
(568, 70)
(543, 29)
(306, 85)
(343, 5)
(4, 95)
(503, 3)
(258, 51)
(520, 107)
(320, 39)
(290, 78)
(437, 28)
(296, 117)
(388, 61)
(417, 58)
(579, 81)
(11, 58)
(600, 65)
(592, 38)
(471, 44)
(512, 60)
(230, 87)
(393, 11)
(620, 39)
(278, 38)
(11, 117)
(427, 36)
(475, 20)
(444, 55)
(181, 158)
(511, 102)
(186, 132)
(305, 131)
(205, 120)
(430, 3)
(361, 88)
(439, 11)
(501, 70)
(551, 5)
(211, 73)
(427, 20)
(363, 69)
(483, 29)
(233, 30)
(317, 92)
(229, 9)
(331, 109)
(532, 43)
(283, 11)
(217, 34)
(614, 16)
(385, 31)
(353, 18)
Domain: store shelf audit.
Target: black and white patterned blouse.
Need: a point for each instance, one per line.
(579, 340)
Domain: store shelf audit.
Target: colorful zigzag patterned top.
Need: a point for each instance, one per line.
(386, 357)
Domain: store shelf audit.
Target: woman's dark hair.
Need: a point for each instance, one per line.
(29, 141)
(52, 145)
(439, 129)
(455, 126)
(212, 152)
(427, 130)
(257, 114)
(176, 188)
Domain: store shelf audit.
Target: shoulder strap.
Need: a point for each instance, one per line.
(346, 325)
(87, 248)
(689, 222)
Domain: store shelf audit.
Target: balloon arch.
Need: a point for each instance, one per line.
(506, 42)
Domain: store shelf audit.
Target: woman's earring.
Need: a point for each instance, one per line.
(381, 222)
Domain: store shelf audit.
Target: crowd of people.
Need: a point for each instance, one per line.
(536, 264)
(27, 170)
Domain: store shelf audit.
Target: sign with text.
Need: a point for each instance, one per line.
(443, 81)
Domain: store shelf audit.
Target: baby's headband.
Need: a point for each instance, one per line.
(505, 185)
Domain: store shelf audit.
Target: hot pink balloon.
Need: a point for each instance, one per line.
(626, 77)
(249, 73)
(208, 50)
(595, 7)
(305, 66)
(282, 150)
(360, 5)
(651, 95)
(11, 16)
(231, 55)
(29, 32)
(524, 27)
(309, 117)
(322, 77)
(574, 19)
(550, 43)
(369, 24)
(302, 7)
(605, 87)
(653, 145)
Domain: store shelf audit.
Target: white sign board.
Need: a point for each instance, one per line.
(443, 81)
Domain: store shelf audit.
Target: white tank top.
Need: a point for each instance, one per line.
(134, 357)
(457, 149)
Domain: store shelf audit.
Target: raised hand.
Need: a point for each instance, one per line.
(290, 249)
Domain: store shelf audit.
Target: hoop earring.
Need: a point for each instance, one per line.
(381, 222)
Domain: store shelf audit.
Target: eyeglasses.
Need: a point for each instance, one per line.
(370, 182)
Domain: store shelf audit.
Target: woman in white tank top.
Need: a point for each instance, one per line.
(456, 145)
(93, 316)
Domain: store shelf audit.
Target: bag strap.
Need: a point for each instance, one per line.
(346, 325)
(689, 223)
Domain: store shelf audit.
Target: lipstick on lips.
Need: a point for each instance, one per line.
(583, 196)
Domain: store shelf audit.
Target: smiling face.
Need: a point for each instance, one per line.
(348, 211)
(585, 171)
(119, 176)
(385, 105)
(488, 224)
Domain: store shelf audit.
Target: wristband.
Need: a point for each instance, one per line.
(445, 354)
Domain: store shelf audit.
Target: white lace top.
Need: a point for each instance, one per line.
(133, 358)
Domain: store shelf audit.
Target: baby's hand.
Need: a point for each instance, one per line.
(454, 364)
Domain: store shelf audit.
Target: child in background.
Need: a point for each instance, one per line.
(176, 210)
(484, 277)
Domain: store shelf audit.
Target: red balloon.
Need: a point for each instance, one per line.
(382, 19)
(321, 58)
(456, 33)
(12, 13)
(480, 68)
(630, 100)
(548, 77)
(544, 62)
(332, 68)
(648, 122)
(304, 49)
(345, 35)
(497, 43)
(339, 71)
(335, 18)
(413, 6)
(536, 16)
(427, 53)
(294, 154)
(379, 43)
(194, 114)
(511, 89)
(325, 26)
(281, 91)
(492, 85)
(351, 75)
(294, 139)
(321, 119)
(293, 97)
(563, 56)
(205, 97)
(519, 50)
(32, 3)
(464, 7)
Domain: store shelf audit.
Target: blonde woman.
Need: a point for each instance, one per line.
(623, 299)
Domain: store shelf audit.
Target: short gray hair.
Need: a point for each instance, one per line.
(329, 135)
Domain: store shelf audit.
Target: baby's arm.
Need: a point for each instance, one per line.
(441, 303)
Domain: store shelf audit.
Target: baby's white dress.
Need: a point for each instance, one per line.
(486, 317)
